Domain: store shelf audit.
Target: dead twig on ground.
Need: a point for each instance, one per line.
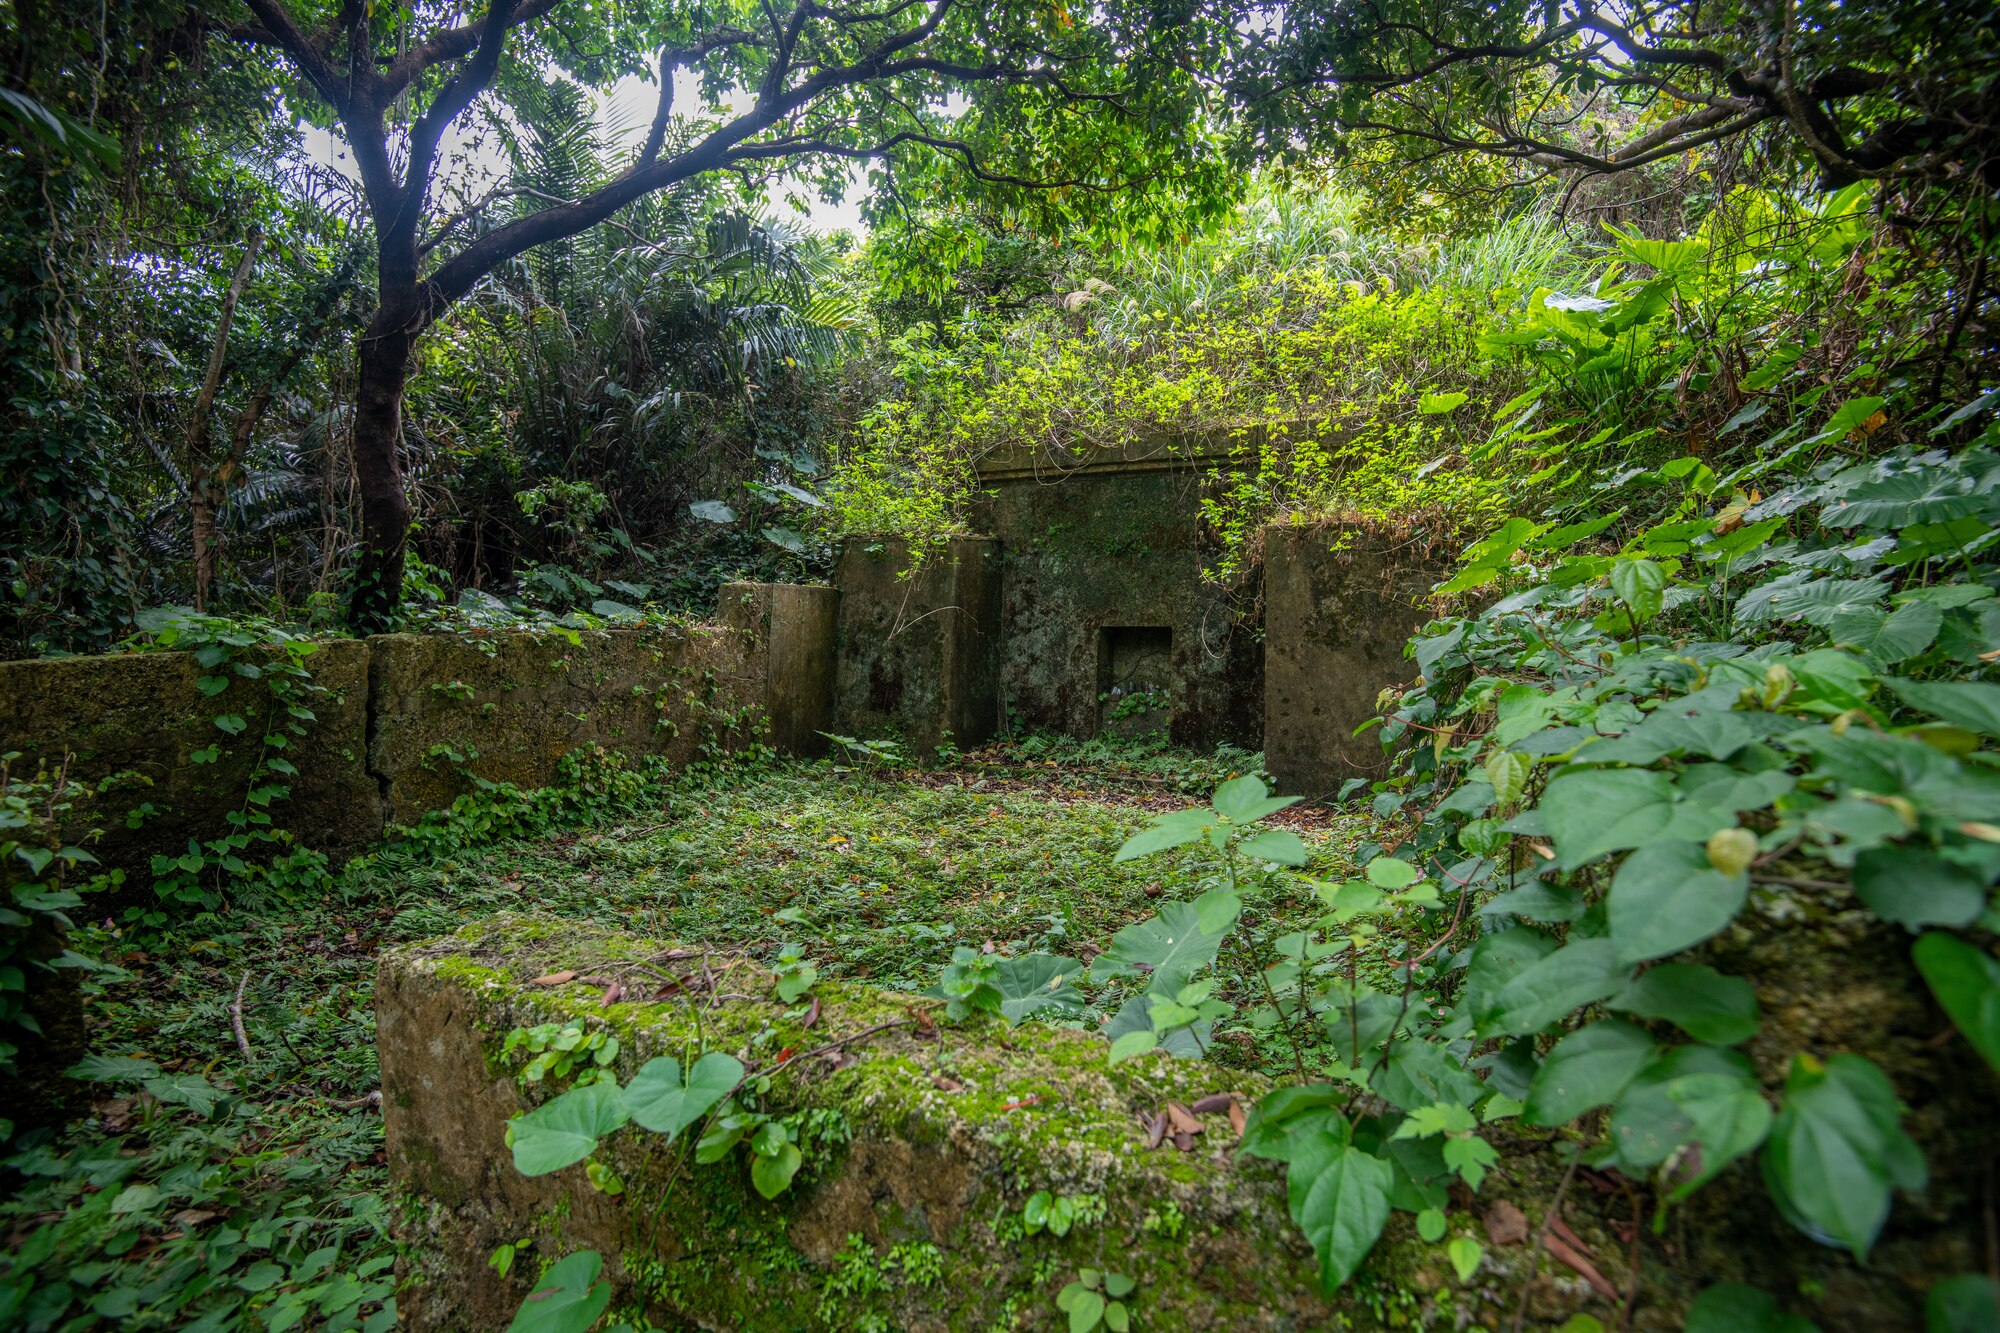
(236, 1021)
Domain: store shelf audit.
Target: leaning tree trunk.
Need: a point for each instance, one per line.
(384, 365)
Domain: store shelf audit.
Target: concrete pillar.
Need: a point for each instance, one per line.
(795, 625)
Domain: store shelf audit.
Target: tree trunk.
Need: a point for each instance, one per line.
(383, 368)
(205, 487)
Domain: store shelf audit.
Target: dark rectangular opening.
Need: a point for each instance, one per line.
(1135, 665)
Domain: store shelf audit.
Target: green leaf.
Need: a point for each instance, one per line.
(231, 723)
(1169, 948)
(1700, 1001)
(1967, 1303)
(1732, 1307)
(1131, 1044)
(1890, 638)
(1037, 986)
(1838, 1151)
(1430, 1225)
(1966, 982)
(772, 1174)
(1437, 404)
(1730, 1118)
(566, 1130)
(1666, 898)
(1547, 990)
(1594, 812)
(1280, 845)
(1388, 872)
(1339, 1196)
(1086, 1311)
(658, 1100)
(1915, 887)
(1175, 830)
(1508, 772)
(570, 1298)
(712, 511)
(1465, 1254)
(1246, 800)
(1641, 585)
(1118, 1286)
(112, 1068)
(1974, 705)
(1647, 1124)
(1588, 1068)
(135, 1199)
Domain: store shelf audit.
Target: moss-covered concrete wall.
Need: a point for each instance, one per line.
(508, 707)
(1099, 549)
(919, 648)
(931, 1140)
(405, 722)
(141, 714)
(1339, 604)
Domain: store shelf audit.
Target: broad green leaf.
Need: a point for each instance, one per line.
(772, 1173)
(1465, 1254)
(1339, 1196)
(1967, 1303)
(1129, 1044)
(1157, 837)
(1168, 949)
(1246, 800)
(1966, 981)
(1436, 404)
(113, 1068)
(1700, 1001)
(1086, 1309)
(1838, 1151)
(1915, 887)
(1730, 1118)
(1037, 986)
(1974, 705)
(1547, 990)
(1588, 1068)
(1854, 414)
(1641, 585)
(1891, 638)
(1594, 812)
(1498, 957)
(1431, 1225)
(1732, 1307)
(1666, 898)
(570, 1298)
(1388, 872)
(566, 1130)
(135, 1199)
(1508, 772)
(658, 1100)
(712, 511)
(1280, 845)
(1647, 1125)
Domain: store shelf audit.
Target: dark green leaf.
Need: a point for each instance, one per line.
(658, 1100)
(569, 1299)
(1547, 990)
(1732, 1307)
(1666, 898)
(1966, 982)
(1699, 1000)
(1594, 812)
(1838, 1151)
(1588, 1068)
(1339, 1196)
(566, 1130)
(1915, 887)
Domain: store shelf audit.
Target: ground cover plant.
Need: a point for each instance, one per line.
(221, 1186)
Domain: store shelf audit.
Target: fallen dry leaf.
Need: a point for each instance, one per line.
(1506, 1224)
(1156, 1130)
(554, 979)
(1215, 1101)
(1181, 1120)
(1564, 1251)
(1185, 1142)
(1237, 1120)
(943, 1084)
(1561, 1228)
(612, 994)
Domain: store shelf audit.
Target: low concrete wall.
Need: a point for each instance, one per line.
(934, 1138)
(1339, 604)
(798, 627)
(141, 713)
(404, 718)
(919, 654)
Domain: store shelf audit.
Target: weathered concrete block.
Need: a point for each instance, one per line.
(931, 1137)
(508, 706)
(141, 713)
(1339, 604)
(1104, 596)
(795, 628)
(919, 655)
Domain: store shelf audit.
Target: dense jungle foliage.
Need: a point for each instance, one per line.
(1676, 320)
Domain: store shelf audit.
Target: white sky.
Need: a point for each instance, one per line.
(628, 107)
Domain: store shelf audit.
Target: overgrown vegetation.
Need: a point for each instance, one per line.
(1678, 320)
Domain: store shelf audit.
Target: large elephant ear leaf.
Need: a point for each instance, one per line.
(566, 1130)
(570, 1298)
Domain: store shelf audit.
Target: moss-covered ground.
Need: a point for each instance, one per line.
(265, 1209)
